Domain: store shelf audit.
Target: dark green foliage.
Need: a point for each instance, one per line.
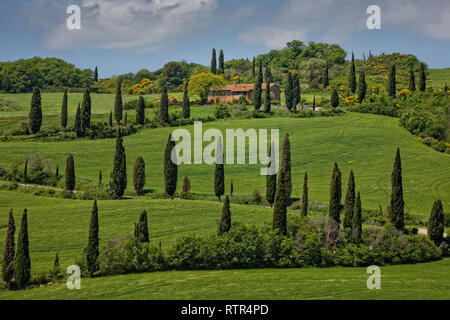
(357, 220)
(253, 67)
(141, 228)
(56, 262)
(282, 193)
(362, 87)
(396, 207)
(225, 218)
(257, 93)
(213, 61)
(86, 111)
(57, 172)
(335, 194)
(96, 74)
(170, 168)
(8, 253)
(271, 185)
(64, 111)
(219, 178)
(422, 78)
(70, 173)
(221, 63)
(231, 187)
(77, 127)
(35, 116)
(446, 87)
(267, 99)
(100, 178)
(352, 75)
(119, 173)
(288, 92)
(334, 98)
(186, 102)
(164, 106)
(325, 78)
(286, 159)
(118, 105)
(110, 122)
(22, 260)
(140, 111)
(391, 83)
(436, 223)
(349, 205)
(139, 175)
(186, 184)
(412, 80)
(295, 90)
(25, 171)
(92, 249)
(304, 209)
(314, 102)
(126, 119)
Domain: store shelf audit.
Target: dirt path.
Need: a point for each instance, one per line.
(424, 231)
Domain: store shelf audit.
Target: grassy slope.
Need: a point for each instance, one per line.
(364, 143)
(421, 281)
(438, 77)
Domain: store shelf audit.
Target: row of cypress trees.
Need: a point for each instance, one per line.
(292, 91)
(214, 68)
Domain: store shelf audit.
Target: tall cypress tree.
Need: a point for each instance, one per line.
(140, 111)
(253, 67)
(119, 173)
(86, 111)
(325, 78)
(92, 251)
(141, 228)
(295, 90)
(164, 106)
(334, 98)
(422, 78)
(335, 194)
(25, 171)
(110, 122)
(436, 223)
(170, 168)
(78, 127)
(70, 173)
(118, 106)
(96, 74)
(304, 210)
(35, 116)
(352, 75)
(225, 218)
(126, 119)
(8, 253)
(349, 205)
(257, 93)
(100, 178)
(213, 61)
(412, 80)
(186, 102)
(288, 94)
(391, 84)
(64, 111)
(271, 183)
(22, 260)
(267, 99)
(314, 102)
(219, 172)
(221, 63)
(357, 220)
(396, 208)
(362, 87)
(231, 188)
(139, 175)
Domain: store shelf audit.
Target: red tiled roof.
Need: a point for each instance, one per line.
(244, 87)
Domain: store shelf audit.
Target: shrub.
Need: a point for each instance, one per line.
(222, 112)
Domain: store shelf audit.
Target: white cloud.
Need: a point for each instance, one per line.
(144, 25)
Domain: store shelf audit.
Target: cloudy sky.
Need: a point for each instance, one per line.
(125, 36)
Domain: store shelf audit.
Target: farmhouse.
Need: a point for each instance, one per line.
(233, 92)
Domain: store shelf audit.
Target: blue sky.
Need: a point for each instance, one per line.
(125, 36)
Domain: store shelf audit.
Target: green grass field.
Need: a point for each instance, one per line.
(420, 281)
(439, 77)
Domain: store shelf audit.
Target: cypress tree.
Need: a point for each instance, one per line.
(352, 75)
(253, 67)
(141, 228)
(221, 63)
(70, 173)
(271, 183)
(57, 172)
(170, 168)
(304, 210)
(118, 106)
(282, 193)
(349, 205)
(96, 74)
(231, 187)
(422, 78)
(126, 119)
(286, 156)
(213, 61)
(357, 220)
(325, 79)
(35, 116)
(64, 111)
(140, 111)
(119, 173)
(436, 223)
(396, 208)
(22, 260)
(314, 102)
(77, 127)
(391, 84)
(86, 111)
(412, 80)
(100, 178)
(164, 106)
(335, 194)
(267, 99)
(288, 92)
(110, 122)
(186, 102)
(362, 87)
(446, 88)
(92, 251)
(295, 90)
(257, 93)
(139, 175)
(186, 184)
(56, 263)
(334, 98)
(8, 253)
(225, 218)
(219, 172)
(25, 171)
